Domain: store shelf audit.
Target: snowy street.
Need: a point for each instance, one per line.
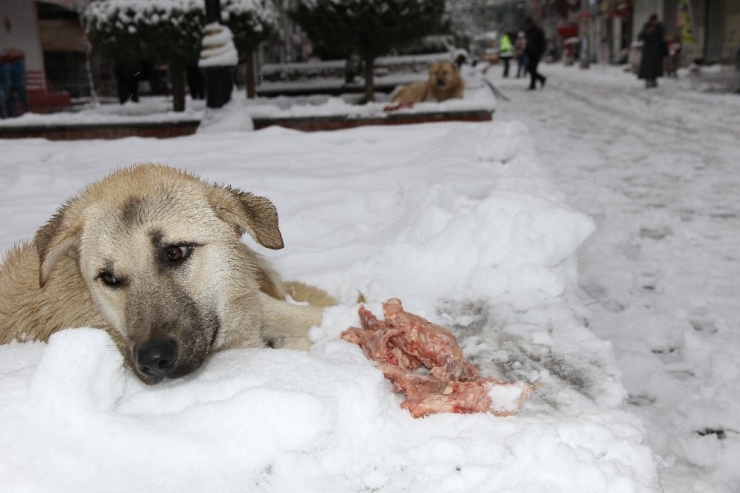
(659, 171)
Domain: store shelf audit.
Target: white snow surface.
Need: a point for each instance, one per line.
(460, 221)
(159, 109)
(218, 47)
(150, 110)
(658, 171)
(477, 97)
(481, 227)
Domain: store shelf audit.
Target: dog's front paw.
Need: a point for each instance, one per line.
(297, 343)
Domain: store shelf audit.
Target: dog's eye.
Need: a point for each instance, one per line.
(178, 253)
(110, 280)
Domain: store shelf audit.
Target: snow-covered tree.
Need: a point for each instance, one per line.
(369, 28)
(135, 30)
(251, 22)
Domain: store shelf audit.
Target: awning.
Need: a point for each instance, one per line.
(568, 31)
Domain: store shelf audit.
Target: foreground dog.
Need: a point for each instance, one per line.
(153, 255)
(444, 83)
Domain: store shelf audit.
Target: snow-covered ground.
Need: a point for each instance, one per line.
(476, 226)
(659, 171)
(240, 110)
(151, 109)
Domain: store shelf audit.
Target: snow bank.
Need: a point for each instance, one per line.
(149, 110)
(345, 107)
(477, 97)
(159, 109)
(459, 220)
(218, 47)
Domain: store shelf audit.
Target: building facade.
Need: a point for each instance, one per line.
(709, 30)
(51, 41)
(712, 25)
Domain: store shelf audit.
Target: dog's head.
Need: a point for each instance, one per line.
(443, 75)
(160, 252)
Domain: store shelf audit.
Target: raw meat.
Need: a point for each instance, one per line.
(405, 342)
(432, 344)
(375, 341)
(428, 394)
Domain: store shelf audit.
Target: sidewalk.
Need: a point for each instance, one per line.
(658, 171)
(717, 78)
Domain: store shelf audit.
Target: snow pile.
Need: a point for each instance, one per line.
(159, 109)
(338, 106)
(459, 220)
(156, 109)
(227, 119)
(218, 47)
(477, 97)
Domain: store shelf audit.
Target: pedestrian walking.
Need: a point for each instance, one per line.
(654, 50)
(505, 52)
(520, 47)
(536, 46)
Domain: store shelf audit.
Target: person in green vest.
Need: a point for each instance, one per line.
(505, 52)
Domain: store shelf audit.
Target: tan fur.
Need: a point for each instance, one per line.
(223, 295)
(444, 82)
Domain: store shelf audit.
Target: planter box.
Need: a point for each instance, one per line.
(338, 122)
(101, 130)
(163, 130)
(327, 77)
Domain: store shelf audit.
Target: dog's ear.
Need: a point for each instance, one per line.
(59, 236)
(248, 213)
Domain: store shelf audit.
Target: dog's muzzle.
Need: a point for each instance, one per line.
(156, 359)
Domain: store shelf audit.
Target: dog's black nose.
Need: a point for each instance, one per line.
(156, 358)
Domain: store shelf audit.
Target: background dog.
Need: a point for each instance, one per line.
(444, 82)
(154, 256)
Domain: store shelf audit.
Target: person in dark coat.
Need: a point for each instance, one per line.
(536, 46)
(196, 81)
(4, 86)
(127, 82)
(654, 49)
